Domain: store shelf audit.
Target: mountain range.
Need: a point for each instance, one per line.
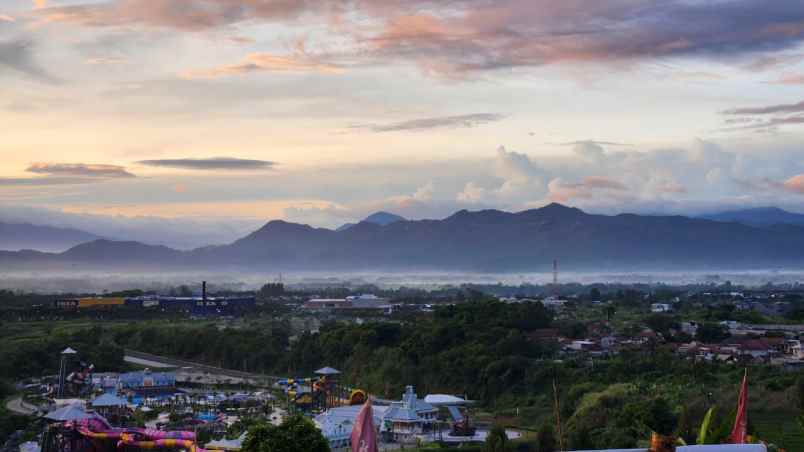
(759, 216)
(487, 240)
(21, 236)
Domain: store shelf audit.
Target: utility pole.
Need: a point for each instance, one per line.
(555, 278)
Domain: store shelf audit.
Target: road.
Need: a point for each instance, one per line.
(157, 361)
(17, 406)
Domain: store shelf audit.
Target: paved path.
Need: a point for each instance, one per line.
(16, 405)
(138, 357)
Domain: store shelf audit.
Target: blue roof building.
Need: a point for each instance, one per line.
(147, 381)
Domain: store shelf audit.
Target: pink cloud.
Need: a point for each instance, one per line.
(465, 36)
(795, 184)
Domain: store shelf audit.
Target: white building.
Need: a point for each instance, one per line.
(404, 421)
(661, 307)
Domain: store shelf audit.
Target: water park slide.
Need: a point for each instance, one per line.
(139, 438)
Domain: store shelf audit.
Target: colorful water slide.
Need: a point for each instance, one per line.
(141, 438)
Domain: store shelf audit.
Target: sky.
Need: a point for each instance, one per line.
(224, 114)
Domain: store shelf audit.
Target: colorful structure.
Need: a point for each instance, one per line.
(317, 394)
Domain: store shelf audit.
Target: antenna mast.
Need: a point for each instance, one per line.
(555, 278)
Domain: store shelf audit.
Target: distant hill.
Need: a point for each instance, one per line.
(487, 241)
(22, 236)
(380, 218)
(760, 216)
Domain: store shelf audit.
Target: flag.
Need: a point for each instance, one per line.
(740, 430)
(364, 437)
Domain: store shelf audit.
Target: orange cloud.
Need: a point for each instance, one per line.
(795, 184)
(265, 62)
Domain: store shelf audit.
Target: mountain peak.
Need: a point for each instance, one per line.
(381, 218)
(558, 207)
(553, 210)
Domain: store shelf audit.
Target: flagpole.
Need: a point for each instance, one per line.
(557, 411)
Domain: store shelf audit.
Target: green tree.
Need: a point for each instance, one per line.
(711, 332)
(295, 434)
(546, 439)
(660, 417)
(497, 439)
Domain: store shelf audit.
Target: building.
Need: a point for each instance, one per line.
(554, 303)
(403, 421)
(661, 307)
(336, 424)
(690, 328)
(355, 302)
(202, 306)
(66, 304)
(147, 381)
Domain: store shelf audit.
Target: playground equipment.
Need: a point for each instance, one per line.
(357, 397)
(79, 380)
(320, 393)
(461, 426)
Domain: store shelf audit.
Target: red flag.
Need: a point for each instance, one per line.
(740, 430)
(364, 437)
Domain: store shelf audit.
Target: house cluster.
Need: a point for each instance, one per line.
(552, 302)
(779, 345)
(599, 341)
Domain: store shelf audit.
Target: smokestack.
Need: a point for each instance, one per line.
(204, 290)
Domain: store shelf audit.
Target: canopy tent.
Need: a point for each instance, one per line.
(327, 371)
(109, 400)
(227, 444)
(444, 399)
(69, 413)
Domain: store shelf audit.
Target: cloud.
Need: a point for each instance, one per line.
(188, 15)
(79, 170)
(771, 109)
(508, 34)
(795, 184)
(467, 121)
(265, 62)
(44, 181)
(771, 123)
(17, 55)
(458, 38)
(6, 18)
(215, 163)
(520, 178)
(790, 79)
(767, 62)
(561, 191)
(594, 142)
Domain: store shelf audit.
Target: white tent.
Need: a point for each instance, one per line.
(724, 448)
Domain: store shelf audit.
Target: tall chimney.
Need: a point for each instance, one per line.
(204, 290)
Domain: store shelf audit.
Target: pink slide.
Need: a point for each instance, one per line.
(137, 437)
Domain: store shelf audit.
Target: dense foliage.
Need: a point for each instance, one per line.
(295, 434)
